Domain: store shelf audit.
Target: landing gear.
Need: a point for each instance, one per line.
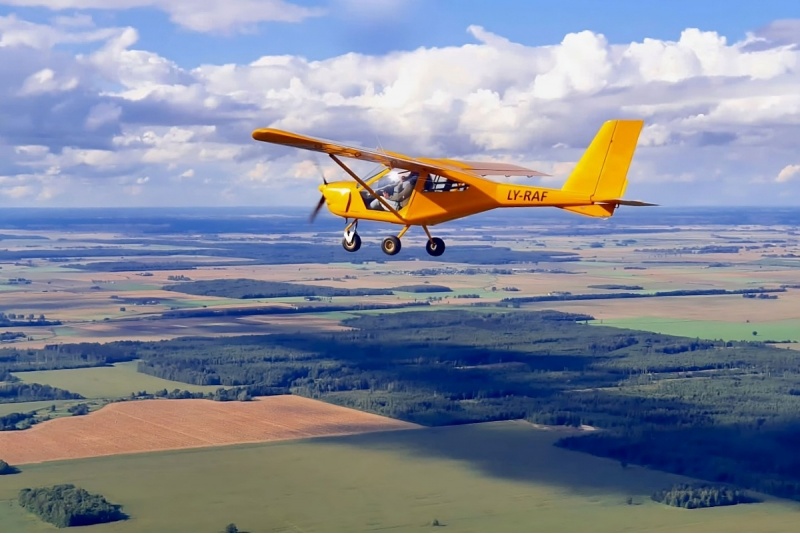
(391, 245)
(352, 246)
(351, 240)
(435, 246)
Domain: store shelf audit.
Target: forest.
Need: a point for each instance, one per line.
(722, 411)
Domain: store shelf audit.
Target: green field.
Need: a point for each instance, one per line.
(767, 331)
(342, 315)
(199, 303)
(106, 382)
(128, 286)
(23, 407)
(64, 331)
(490, 477)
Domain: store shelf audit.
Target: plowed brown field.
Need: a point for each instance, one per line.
(161, 424)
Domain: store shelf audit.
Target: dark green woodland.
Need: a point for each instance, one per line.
(65, 505)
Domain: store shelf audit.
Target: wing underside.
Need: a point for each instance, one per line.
(490, 168)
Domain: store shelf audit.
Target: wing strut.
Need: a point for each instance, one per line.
(365, 186)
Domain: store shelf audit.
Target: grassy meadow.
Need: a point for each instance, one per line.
(22, 407)
(729, 331)
(473, 478)
(106, 382)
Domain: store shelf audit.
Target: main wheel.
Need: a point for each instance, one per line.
(435, 247)
(355, 245)
(391, 245)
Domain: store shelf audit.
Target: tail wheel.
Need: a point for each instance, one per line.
(435, 246)
(354, 246)
(391, 245)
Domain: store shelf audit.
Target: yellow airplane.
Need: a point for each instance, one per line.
(427, 191)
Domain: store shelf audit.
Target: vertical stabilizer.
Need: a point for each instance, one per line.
(602, 171)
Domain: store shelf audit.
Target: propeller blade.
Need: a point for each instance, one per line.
(319, 169)
(316, 210)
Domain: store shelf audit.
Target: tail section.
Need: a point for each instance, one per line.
(602, 171)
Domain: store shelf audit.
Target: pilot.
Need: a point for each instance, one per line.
(402, 191)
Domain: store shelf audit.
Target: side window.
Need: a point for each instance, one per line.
(439, 184)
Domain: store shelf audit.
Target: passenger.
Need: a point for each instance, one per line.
(402, 191)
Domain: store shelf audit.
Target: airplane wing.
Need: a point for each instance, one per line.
(466, 172)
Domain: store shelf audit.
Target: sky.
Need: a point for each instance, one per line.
(128, 103)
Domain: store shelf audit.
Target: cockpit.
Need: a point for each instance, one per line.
(395, 186)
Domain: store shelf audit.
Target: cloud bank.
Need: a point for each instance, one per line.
(89, 118)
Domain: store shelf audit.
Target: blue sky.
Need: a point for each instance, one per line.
(435, 23)
(150, 102)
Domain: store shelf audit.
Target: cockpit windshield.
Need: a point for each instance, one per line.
(386, 180)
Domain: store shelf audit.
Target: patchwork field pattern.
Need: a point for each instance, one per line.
(161, 424)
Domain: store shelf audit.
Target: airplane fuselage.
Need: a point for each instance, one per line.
(346, 199)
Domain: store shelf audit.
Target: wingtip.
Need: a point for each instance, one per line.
(258, 133)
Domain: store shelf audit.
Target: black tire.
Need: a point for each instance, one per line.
(435, 247)
(354, 246)
(391, 245)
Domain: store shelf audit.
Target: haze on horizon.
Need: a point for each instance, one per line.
(151, 102)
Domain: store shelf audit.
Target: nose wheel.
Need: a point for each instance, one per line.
(351, 241)
(353, 245)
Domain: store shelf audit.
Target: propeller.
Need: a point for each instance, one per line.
(321, 198)
(316, 210)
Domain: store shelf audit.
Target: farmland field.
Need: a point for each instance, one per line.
(152, 425)
(474, 478)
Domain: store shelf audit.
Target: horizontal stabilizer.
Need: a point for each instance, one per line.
(593, 210)
(621, 202)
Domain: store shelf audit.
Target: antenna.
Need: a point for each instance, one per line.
(378, 140)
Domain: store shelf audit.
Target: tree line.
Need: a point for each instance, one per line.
(25, 392)
(701, 495)
(673, 293)
(284, 310)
